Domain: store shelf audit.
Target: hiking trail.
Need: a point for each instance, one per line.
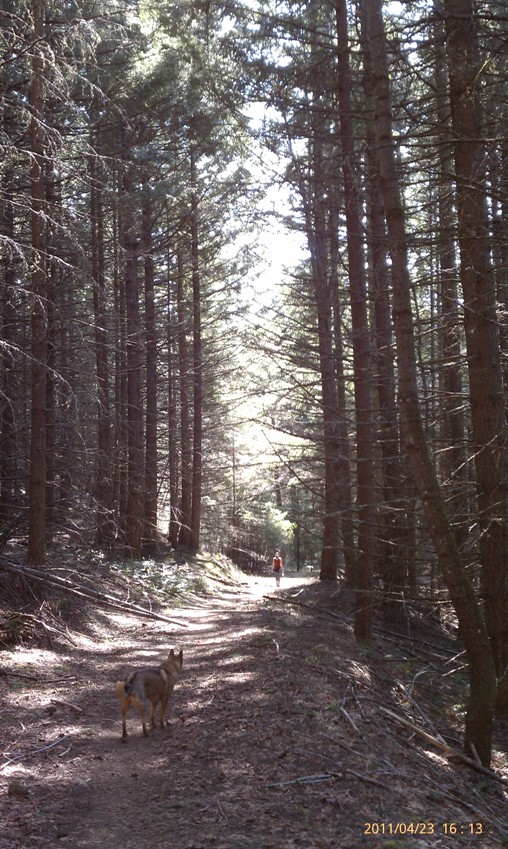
(275, 740)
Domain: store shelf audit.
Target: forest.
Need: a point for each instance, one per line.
(253, 294)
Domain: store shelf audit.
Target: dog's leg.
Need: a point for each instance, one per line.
(125, 705)
(141, 708)
(164, 705)
(154, 715)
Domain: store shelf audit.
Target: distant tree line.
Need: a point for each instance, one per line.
(121, 184)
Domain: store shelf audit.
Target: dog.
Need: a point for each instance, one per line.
(149, 685)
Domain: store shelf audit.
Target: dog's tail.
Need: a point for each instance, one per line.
(133, 686)
(120, 689)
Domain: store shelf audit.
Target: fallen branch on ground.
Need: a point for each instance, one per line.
(11, 760)
(48, 579)
(444, 747)
(327, 776)
(69, 705)
(312, 607)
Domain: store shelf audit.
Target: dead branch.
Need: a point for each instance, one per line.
(312, 607)
(10, 674)
(103, 599)
(327, 776)
(69, 705)
(345, 713)
(444, 747)
(15, 758)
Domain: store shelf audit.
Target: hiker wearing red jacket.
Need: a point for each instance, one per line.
(278, 568)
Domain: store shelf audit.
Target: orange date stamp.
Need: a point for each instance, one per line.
(425, 827)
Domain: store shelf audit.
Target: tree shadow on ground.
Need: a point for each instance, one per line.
(275, 740)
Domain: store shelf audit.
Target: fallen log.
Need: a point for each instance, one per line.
(103, 599)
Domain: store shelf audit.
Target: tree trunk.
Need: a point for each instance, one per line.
(134, 513)
(315, 205)
(479, 718)
(120, 436)
(343, 461)
(453, 461)
(197, 371)
(488, 408)
(362, 354)
(104, 483)
(8, 452)
(185, 429)
(134, 363)
(394, 527)
(37, 482)
(150, 507)
(172, 380)
(53, 286)
(317, 245)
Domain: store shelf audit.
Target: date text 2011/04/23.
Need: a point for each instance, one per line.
(447, 828)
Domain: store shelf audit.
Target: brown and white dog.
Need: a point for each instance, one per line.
(149, 684)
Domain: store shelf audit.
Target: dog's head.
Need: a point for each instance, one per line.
(175, 661)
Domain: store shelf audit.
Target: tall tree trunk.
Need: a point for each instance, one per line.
(479, 718)
(488, 408)
(316, 234)
(134, 364)
(120, 369)
(500, 231)
(37, 481)
(53, 286)
(172, 391)
(104, 483)
(362, 354)
(343, 464)
(134, 512)
(197, 371)
(453, 461)
(395, 543)
(150, 512)
(315, 206)
(8, 452)
(185, 428)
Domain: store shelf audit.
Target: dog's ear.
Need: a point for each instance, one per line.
(172, 653)
(180, 656)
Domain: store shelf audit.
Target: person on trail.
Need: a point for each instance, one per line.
(278, 568)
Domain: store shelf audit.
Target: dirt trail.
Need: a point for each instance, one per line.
(274, 742)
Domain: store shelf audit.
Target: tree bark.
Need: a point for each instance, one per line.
(488, 407)
(197, 370)
(395, 544)
(37, 481)
(362, 353)
(134, 364)
(480, 711)
(316, 233)
(150, 487)
(346, 519)
(172, 391)
(185, 428)
(104, 483)
(8, 450)
(453, 461)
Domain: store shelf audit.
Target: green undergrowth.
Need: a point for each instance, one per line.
(175, 578)
(42, 613)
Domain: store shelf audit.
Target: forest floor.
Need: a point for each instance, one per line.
(277, 736)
